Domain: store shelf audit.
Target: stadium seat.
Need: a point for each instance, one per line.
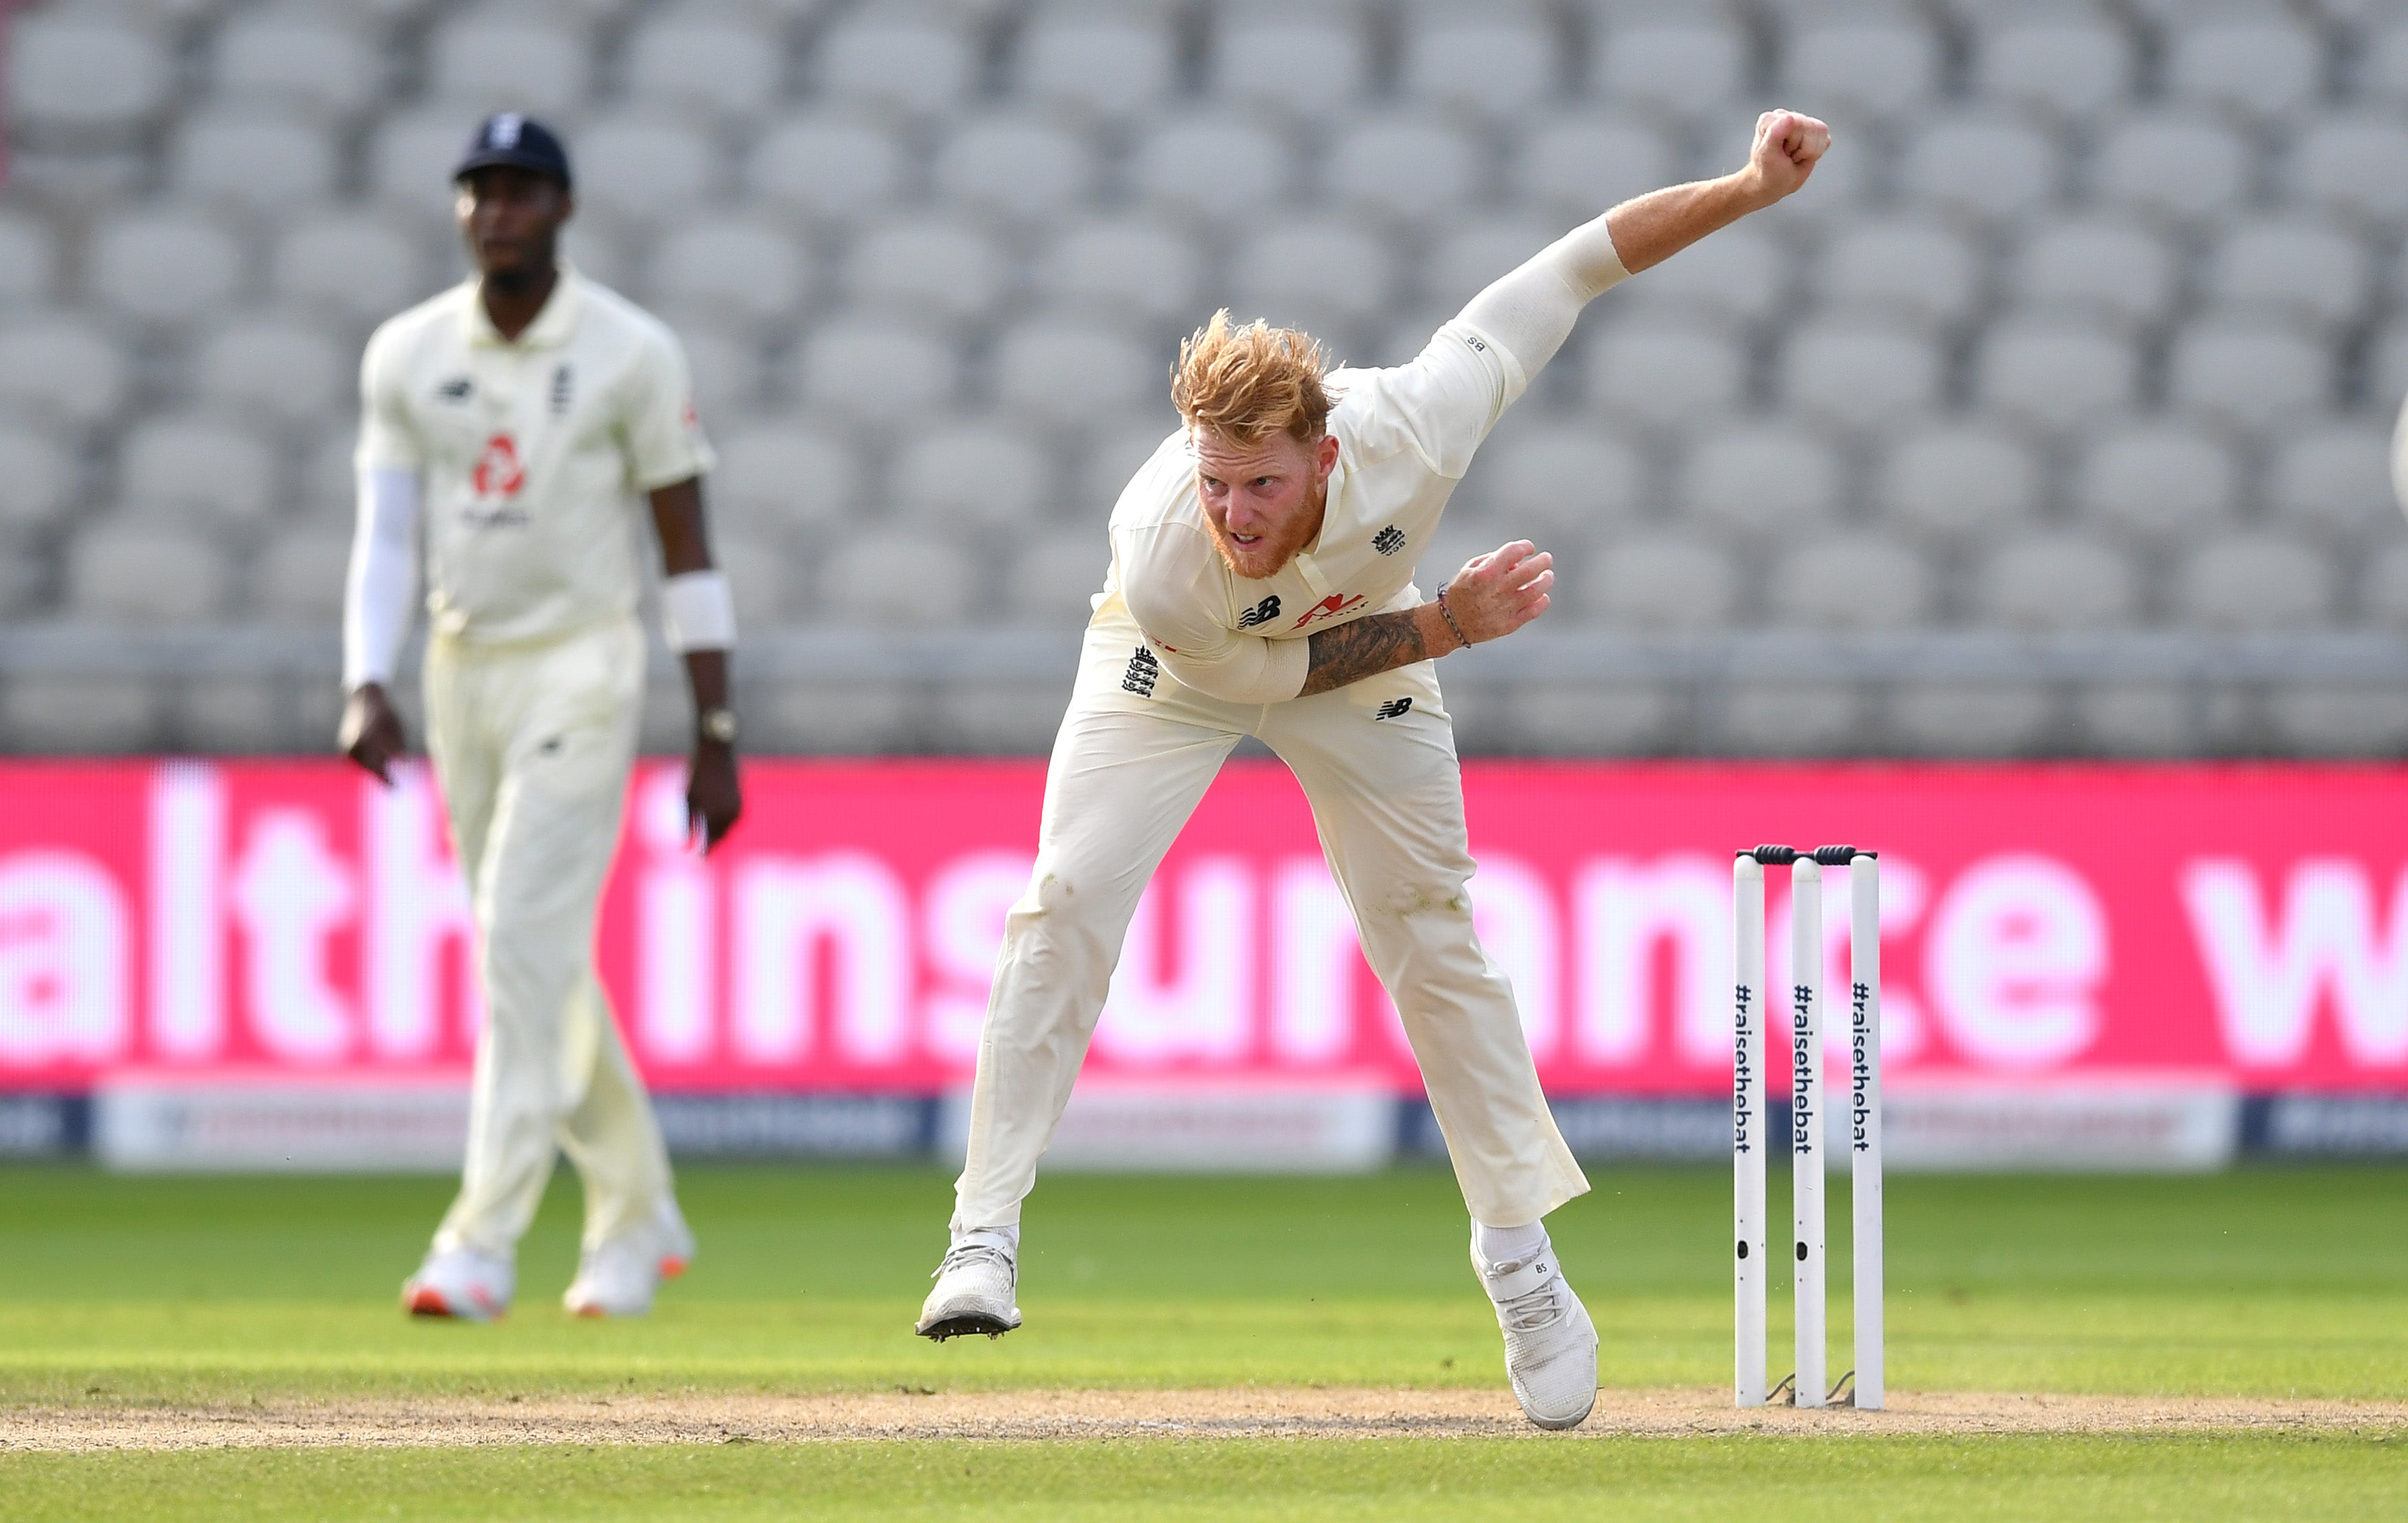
(2249, 375)
(2157, 482)
(1745, 272)
(1212, 164)
(973, 473)
(142, 570)
(1130, 268)
(351, 266)
(1785, 717)
(85, 78)
(2254, 580)
(915, 578)
(2383, 588)
(296, 55)
(1688, 62)
(724, 357)
(1107, 59)
(2333, 479)
(1115, 448)
(1054, 578)
(911, 59)
(928, 266)
(734, 268)
(1979, 718)
(1460, 264)
(2095, 267)
(2055, 581)
(38, 481)
(276, 367)
(79, 714)
(2188, 167)
(169, 266)
(1539, 477)
(297, 576)
(1852, 581)
(258, 162)
(1414, 169)
(1590, 720)
(29, 259)
(766, 585)
(1953, 482)
(1991, 166)
(2137, 719)
(327, 484)
(2293, 268)
(2265, 68)
(1663, 582)
(2349, 166)
(1319, 273)
(1065, 372)
(718, 63)
(2341, 718)
(173, 465)
(637, 171)
(873, 370)
(500, 59)
(827, 168)
(1262, 48)
(598, 250)
(1492, 60)
(1666, 372)
(1917, 268)
(1860, 63)
(410, 157)
(778, 481)
(1573, 166)
(62, 370)
(2076, 62)
(1860, 373)
(1770, 480)
(2055, 373)
(1020, 168)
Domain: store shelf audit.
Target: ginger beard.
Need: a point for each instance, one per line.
(1263, 501)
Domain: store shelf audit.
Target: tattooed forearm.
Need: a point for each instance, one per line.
(1374, 644)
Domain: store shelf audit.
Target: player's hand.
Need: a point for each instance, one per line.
(1496, 593)
(713, 797)
(1788, 146)
(371, 731)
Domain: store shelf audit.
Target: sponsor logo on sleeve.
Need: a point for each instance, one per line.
(1388, 541)
(1331, 606)
(458, 388)
(1260, 614)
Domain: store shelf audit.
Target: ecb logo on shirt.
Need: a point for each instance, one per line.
(498, 473)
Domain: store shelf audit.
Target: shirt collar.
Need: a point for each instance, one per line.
(552, 327)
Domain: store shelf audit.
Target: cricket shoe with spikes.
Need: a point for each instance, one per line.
(618, 1278)
(460, 1283)
(977, 1282)
(1549, 1343)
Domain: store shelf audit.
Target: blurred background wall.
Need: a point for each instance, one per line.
(2053, 418)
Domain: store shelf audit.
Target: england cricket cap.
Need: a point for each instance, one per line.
(518, 141)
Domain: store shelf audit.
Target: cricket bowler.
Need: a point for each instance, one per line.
(513, 422)
(1261, 584)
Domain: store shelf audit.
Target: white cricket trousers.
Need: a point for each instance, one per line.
(532, 745)
(1377, 760)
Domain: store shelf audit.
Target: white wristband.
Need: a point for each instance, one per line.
(698, 612)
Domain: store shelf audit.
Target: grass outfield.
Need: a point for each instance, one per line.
(2264, 1283)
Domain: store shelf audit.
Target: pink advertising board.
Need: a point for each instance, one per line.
(2238, 925)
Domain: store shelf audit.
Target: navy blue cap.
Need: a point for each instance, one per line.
(521, 142)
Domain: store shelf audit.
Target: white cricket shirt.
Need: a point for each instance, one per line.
(1405, 437)
(532, 454)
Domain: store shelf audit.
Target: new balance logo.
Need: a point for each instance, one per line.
(457, 390)
(1395, 708)
(1260, 614)
(1388, 541)
(1143, 674)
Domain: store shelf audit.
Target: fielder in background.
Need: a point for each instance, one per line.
(518, 416)
(1261, 584)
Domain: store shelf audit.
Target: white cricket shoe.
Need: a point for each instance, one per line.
(976, 1284)
(618, 1278)
(461, 1283)
(1549, 1343)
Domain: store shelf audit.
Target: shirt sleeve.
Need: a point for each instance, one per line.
(1442, 403)
(659, 428)
(1172, 592)
(388, 441)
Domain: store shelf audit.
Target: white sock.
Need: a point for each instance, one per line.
(1508, 1244)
